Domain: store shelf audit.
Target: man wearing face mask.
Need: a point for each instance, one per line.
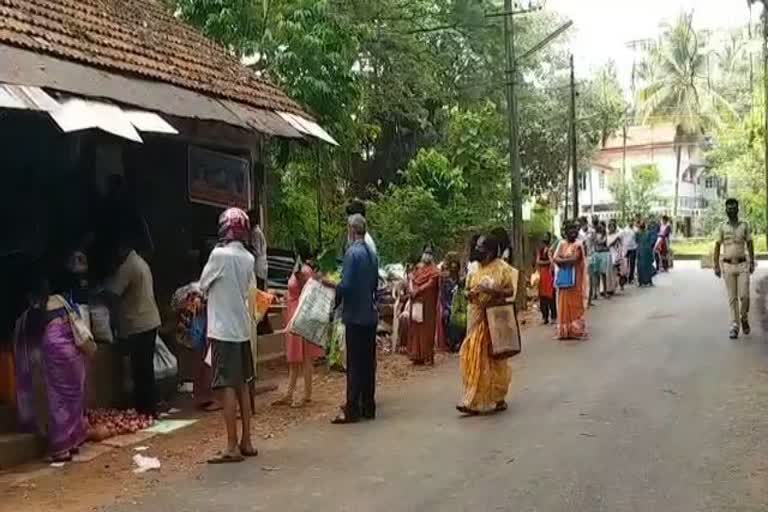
(734, 262)
(424, 292)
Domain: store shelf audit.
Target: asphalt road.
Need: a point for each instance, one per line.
(658, 412)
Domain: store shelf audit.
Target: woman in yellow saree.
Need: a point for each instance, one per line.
(485, 379)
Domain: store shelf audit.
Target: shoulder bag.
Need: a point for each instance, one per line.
(504, 331)
(80, 331)
(566, 277)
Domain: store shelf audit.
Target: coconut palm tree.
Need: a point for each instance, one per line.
(679, 90)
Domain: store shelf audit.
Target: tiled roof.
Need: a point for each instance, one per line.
(641, 136)
(138, 38)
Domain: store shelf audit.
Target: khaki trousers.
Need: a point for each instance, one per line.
(736, 277)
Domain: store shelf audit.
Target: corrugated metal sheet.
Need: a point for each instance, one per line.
(75, 113)
(264, 121)
(308, 127)
(149, 122)
(24, 97)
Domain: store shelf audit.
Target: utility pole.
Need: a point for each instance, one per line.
(515, 177)
(515, 174)
(624, 189)
(574, 159)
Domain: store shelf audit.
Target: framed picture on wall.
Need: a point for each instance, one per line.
(218, 179)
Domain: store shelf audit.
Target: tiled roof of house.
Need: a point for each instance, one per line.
(138, 38)
(642, 136)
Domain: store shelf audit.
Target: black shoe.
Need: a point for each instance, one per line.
(745, 328)
(734, 334)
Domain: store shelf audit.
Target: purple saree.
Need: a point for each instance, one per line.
(55, 365)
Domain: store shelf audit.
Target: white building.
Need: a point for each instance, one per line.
(651, 145)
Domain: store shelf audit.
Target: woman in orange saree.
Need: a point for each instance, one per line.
(424, 293)
(485, 379)
(570, 253)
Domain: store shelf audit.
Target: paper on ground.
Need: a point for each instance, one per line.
(145, 464)
(168, 426)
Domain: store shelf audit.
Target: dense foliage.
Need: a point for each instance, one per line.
(414, 92)
(636, 195)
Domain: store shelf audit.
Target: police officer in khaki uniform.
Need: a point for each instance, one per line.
(734, 262)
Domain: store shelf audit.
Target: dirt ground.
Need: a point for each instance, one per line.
(109, 478)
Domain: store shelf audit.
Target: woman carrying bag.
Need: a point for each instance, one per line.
(51, 346)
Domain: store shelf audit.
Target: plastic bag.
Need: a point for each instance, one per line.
(535, 279)
(260, 303)
(182, 295)
(417, 312)
(101, 325)
(166, 364)
(313, 314)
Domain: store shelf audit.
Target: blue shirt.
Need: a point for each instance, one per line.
(359, 282)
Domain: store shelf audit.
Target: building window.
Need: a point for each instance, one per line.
(709, 182)
(602, 180)
(583, 181)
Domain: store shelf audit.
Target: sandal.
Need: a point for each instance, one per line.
(466, 410)
(284, 401)
(226, 458)
(61, 458)
(253, 452)
(300, 404)
(343, 419)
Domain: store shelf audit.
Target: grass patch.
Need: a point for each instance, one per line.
(702, 246)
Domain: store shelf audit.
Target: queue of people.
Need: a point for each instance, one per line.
(442, 308)
(596, 260)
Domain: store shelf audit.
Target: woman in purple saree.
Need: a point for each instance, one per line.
(51, 375)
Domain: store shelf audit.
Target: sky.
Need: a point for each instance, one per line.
(603, 27)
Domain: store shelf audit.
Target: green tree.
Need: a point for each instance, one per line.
(414, 92)
(637, 195)
(432, 171)
(738, 157)
(476, 145)
(408, 217)
(680, 92)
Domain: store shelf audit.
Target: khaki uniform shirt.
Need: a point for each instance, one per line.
(134, 285)
(733, 241)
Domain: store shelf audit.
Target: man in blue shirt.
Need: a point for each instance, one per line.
(357, 296)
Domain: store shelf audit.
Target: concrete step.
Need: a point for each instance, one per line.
(8, 420)
(17, 449)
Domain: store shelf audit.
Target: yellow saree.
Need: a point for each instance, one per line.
(485, 380)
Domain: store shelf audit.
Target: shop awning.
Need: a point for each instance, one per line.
(44, 71)
(307, 127)
(24, 97)
(73, 113)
